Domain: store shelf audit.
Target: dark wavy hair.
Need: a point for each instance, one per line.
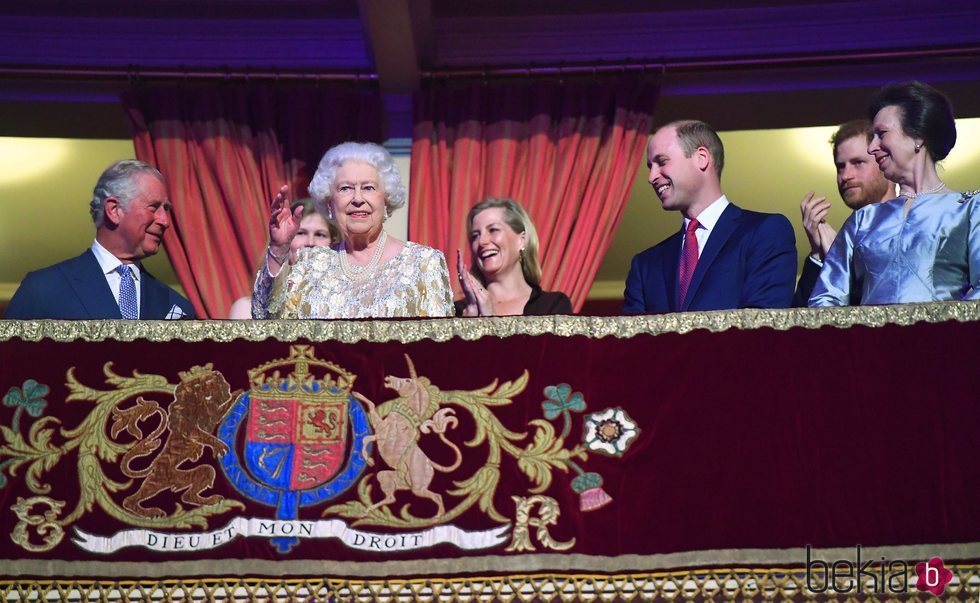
(925, 113)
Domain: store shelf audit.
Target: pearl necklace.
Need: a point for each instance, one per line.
(359, 273)
(911, 195)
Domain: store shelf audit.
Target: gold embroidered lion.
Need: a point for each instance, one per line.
(200, 401)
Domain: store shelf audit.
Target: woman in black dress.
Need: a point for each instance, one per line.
(505, 276)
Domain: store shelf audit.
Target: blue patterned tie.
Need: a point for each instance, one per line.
(127, 293)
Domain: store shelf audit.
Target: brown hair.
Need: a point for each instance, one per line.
(309, 208)
(692, 133)
(849, 130)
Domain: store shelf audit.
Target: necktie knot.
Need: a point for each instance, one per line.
(692, 226)
(128, 306)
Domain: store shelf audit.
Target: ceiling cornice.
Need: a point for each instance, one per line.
(693, 34)
(288, 44)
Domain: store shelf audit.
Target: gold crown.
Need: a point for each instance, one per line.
(195, 372)
(268, 380)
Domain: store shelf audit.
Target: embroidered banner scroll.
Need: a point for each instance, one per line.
(561, 454)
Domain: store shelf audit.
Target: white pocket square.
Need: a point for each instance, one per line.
(175, 313)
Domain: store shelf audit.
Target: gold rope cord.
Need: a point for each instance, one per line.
(724, 584)
(443, 329)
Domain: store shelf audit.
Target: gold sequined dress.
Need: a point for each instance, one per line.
(414, 283)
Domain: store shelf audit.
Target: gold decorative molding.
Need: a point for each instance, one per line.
(443, 329)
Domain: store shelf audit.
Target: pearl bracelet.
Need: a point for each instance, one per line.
(281, 260)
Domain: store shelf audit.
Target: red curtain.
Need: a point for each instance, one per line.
(224, 150)
(567, 150)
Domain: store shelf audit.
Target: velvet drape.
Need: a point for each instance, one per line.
(567, 150)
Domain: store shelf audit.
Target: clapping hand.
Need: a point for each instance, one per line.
(477, 298)
(820, 234)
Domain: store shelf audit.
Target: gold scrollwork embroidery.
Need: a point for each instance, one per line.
(45, 524)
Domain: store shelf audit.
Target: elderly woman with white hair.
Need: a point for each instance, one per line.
(368, 274)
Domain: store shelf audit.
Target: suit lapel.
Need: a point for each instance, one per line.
(727, 222)
(153, 299)
(671, 259)
(91, 287)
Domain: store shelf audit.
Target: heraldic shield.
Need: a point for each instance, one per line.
(298, 431)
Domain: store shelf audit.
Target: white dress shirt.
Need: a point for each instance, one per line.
(109, 263)
(706, 220)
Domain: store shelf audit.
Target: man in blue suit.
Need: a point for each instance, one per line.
(723, 257)
(131, 212)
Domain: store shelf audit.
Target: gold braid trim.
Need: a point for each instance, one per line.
(726, 584)
(443, 329)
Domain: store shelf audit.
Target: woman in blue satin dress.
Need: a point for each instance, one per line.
(922, 246)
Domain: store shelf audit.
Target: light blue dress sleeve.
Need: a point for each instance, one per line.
(837, 281)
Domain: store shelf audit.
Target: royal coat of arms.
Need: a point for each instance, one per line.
(296, 428)
(300, 436)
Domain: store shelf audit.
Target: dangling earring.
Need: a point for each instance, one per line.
(387, 215)
(522, 255)
(329, 213)
(918, 146)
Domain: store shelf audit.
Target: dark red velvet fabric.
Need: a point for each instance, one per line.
(749, 439)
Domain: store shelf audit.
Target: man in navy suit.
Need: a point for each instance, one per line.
(131, 212)
(723, 257)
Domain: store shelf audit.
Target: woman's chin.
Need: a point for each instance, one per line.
(361, 228)
(492, 270)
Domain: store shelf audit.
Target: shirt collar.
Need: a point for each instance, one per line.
(710, 215)
(109, 262)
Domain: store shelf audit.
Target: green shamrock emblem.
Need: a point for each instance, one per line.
(28, 398)
(561, 399)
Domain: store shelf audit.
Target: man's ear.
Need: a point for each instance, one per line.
(113, 211)
(703, 157)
